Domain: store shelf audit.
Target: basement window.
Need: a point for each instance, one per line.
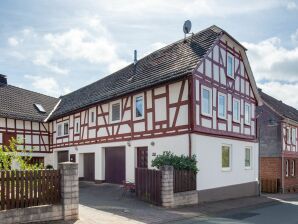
(40, 108)
(226, 157)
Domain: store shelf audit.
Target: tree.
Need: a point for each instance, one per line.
(10, 154)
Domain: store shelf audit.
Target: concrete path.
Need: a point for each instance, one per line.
(100, 204)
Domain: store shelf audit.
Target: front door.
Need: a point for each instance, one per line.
(142, 157)
(115, 165)
(89, 166)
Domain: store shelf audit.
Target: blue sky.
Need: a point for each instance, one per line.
(55, 47)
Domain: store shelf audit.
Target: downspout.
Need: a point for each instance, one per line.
(190, 113)
(282, 160)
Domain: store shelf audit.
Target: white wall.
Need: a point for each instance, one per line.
(176, 144)
(208, 152)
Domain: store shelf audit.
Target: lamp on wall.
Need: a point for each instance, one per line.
(76, 148)
(152, 143)
(128, 143)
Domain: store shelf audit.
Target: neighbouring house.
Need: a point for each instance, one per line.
(22, 116)
(196, 96)
(278, 143)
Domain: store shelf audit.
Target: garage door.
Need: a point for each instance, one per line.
(89, 174)
(115, 165)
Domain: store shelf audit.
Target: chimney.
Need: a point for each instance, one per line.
(135, 57)
(3, 80)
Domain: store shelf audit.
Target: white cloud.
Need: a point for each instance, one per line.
(287, 92)
(292, 5)
(44, 58)
(47, 85)
(12, 41)
(294, 37)
(271, 61)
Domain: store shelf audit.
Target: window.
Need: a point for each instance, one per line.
(115, 110)
(288, 135)
(59, 130)
(65, 128)
(77, 126)
(92, 117)
(247, 114)
(248, 155)
(206, 101)
(230, 66)
(294, 136)
(293, 168)
(226, 157)
(236, 110)
(287, 168)
(139, 107)
(40, 108)
(222, 110)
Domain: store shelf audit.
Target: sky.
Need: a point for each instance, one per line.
(55, 47)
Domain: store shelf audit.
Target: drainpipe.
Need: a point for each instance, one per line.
(282, 160)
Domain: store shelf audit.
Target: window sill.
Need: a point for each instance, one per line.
(226, 169)
(115, 122)
(206, 115)
(221, 118)
(248, 168)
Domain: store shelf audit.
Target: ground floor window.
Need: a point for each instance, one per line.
(248, 156)
(287, 168)
(226, 157)
(293, 168)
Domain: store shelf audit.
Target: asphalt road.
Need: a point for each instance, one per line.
(285, 212)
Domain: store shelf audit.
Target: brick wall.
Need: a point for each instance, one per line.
(270, 167)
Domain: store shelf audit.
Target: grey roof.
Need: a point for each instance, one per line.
(279, 107)
(169, 63)
(19, 103)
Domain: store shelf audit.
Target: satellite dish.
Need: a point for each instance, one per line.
(187, 26)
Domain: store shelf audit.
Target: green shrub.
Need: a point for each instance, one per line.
(178, 162)
(49, 167)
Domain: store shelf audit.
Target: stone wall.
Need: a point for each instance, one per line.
(168, 197)
(68, 209)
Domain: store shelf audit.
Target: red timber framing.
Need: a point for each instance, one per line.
(32, 135)
(165, 114)
(290, 148)
(212, 73)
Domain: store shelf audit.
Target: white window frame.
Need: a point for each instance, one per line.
(293, 167)
(225, 169)
(120, 111)
(294, 136)
(135, 107)
(61, 129)
(77, 121)
(247, 122)
(289, 137)
(210, 100)
(250, 157)
(62, 125)
(287, 168)
(233, 72)
(239, 110)
(225, 106)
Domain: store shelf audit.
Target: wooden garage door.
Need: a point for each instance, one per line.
(115, 165)
(62, 156)
(89, 166)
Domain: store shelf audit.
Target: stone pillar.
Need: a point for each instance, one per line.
(167, 186)
(69, 190)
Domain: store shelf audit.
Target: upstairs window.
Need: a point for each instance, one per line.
(77, 126)
(206, 96)
(294, 139)
(59, 131)
(247, 114)
(230, 66)
(222, 102)
(92, 117)
(236, 110)
(288, 135)
(139, 107)
(115, 112)
(66, 128)
(40, 108)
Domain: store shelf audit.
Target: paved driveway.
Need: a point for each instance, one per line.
(104, 203)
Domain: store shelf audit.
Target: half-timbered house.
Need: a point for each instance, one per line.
(195, 96)
(22, 117)
(278, 143)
